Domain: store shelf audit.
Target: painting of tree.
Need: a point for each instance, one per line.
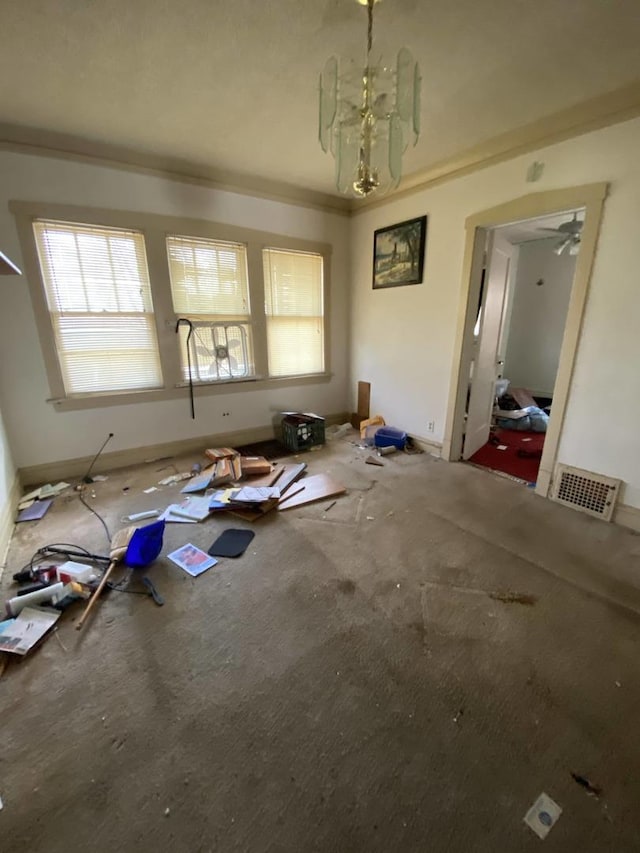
(398, 253)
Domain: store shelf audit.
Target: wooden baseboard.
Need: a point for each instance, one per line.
(627, 516)
(70, 469)
(7, 519)
(429, 446)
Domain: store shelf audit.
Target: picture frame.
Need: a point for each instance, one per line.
(398, 253)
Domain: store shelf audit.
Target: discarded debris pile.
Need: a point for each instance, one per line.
(57, 576)
(270, 486)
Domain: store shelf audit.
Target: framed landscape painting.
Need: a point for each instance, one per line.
(398, 253)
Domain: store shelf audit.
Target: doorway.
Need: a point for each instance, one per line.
(528, 274)
(590, 198)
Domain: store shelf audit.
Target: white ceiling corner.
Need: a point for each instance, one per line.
(232, 86)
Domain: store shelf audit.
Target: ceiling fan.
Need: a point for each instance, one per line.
(571, 232)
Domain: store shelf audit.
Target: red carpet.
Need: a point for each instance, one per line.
(508, 460)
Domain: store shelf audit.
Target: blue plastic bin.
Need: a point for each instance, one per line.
(388, 436)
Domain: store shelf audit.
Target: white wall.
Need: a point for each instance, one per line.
(538, 316)
(7, 489)
(37, 433)
(403, 338)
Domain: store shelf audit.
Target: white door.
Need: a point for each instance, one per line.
(485, 366)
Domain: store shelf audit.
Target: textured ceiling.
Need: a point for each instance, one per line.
(232, 85)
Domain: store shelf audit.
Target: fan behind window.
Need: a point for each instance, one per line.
(219, 351)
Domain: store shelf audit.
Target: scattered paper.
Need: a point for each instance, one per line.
(151, 489)
(501, 447)
(174, 478)
(199, 483)
(254, 494)
(170, 515)
(192, 560)
(50, 491)
(196, 509)
(99, 478)
(542, 815)
(25, 631)
(526, 439)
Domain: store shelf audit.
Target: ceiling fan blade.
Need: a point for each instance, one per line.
(561, 246)
(553, 230)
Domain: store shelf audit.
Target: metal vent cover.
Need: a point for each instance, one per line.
(585, 491)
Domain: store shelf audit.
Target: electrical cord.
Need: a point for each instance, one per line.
(97, 514)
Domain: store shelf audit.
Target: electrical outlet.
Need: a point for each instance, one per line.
(431, 426)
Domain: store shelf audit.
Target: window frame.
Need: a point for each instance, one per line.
(155, 229)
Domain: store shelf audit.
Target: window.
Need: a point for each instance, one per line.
(99, 299)
(294, 305)
(210, 287)
(107, 298)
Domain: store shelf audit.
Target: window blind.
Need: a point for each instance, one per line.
(97, 287)
(210, 285)
(208, 278)
(294, 305)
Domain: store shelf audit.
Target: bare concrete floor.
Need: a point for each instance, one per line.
(347, 685)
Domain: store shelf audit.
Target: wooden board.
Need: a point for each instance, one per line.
(316, 488)
(364, 403)
(255, 514)
(364, 399)
(291, 474)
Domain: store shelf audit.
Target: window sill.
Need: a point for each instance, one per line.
(181, 390)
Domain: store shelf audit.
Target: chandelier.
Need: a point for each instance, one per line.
(368, 116)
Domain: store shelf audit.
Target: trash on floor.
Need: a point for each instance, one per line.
(372, 460)
(42, 492)
(388, 450)
(35, 511)
(174, 478)
(192, 560)
(231, 543)
(21, 634)
(542, 815)
(592, 790)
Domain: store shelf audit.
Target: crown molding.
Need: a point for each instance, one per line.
(46, 143)
(620, 105)
(614, 107)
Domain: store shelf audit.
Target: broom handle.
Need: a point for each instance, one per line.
(96, 594)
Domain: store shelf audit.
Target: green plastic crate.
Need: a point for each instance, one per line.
(300, 432)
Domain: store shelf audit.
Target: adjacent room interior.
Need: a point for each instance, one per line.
(531, 266)
(319, 482)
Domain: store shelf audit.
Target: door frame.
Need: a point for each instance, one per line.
(588, 196)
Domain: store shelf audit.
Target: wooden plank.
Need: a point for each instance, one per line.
(255, 514)
(291, 474)
(316, 488)
(364, 399)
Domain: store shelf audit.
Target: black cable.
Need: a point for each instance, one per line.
(87, 476)
(98, 516)
(183, 320)
(87, 479)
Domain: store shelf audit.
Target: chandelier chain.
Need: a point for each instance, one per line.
(369, 28)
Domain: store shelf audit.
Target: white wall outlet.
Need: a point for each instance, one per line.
(431, 426)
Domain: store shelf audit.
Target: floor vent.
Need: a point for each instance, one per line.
(591, 493)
